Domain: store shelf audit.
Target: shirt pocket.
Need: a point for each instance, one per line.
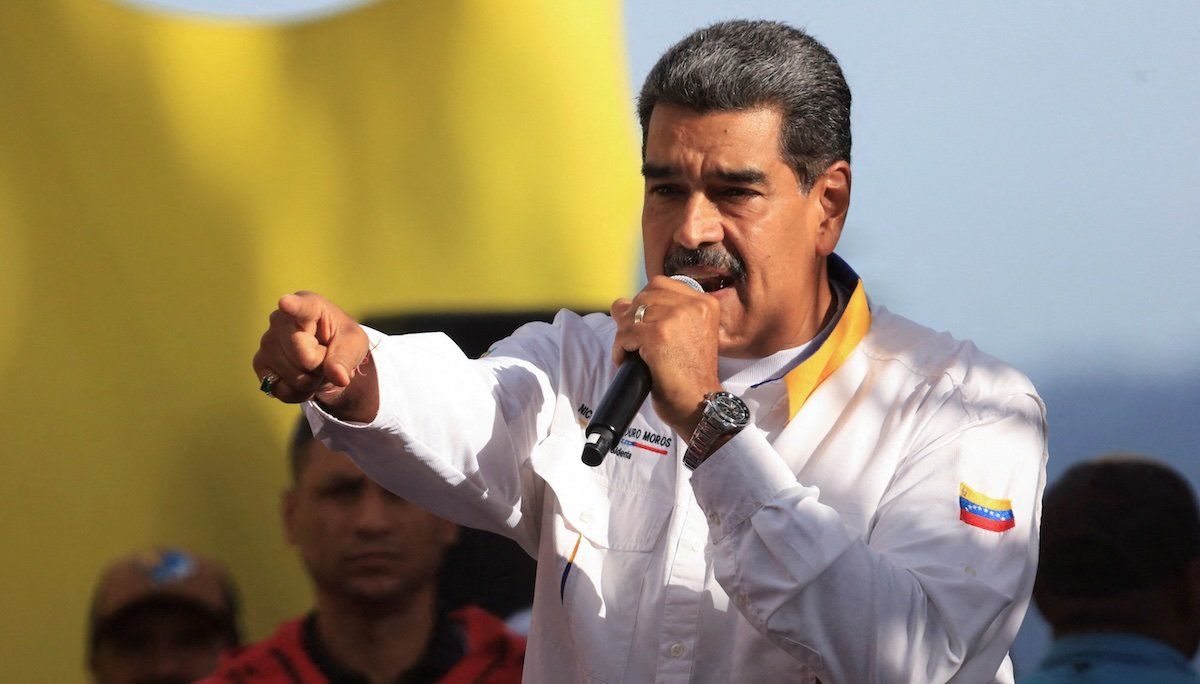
(621, 516)
(598, 544)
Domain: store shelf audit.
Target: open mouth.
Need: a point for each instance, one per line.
(715, 268)
(714, 283)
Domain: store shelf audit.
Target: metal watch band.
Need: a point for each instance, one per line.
(715, 422)
(700, 446)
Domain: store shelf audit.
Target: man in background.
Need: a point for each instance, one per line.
(160, 616)
(374, 560)
(1119, 578)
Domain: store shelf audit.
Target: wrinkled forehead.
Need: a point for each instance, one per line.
(729, 141)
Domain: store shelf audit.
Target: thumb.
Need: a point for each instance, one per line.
(344, 353)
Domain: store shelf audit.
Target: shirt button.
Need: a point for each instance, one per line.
(585, 516)
(676, 650)
(714, 518)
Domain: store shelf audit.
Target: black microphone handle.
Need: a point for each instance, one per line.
(620, 404)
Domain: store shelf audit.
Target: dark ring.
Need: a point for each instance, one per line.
(268, 384)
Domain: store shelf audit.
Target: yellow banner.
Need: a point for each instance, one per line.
(165, 178)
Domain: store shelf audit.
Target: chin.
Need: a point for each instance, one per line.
(375, 589)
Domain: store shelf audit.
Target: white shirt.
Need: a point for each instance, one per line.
(829, 545)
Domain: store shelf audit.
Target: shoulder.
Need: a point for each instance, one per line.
(570, 335)
(486, 631)
(273, 659)
(492, 648)
(937, 363)
(567, 325)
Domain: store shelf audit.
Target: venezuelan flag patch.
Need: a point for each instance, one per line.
(984, 512)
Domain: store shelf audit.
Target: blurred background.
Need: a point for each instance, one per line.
(1025, 176)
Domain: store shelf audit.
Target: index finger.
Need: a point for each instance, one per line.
(305, 308)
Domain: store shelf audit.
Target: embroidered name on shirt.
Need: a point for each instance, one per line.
(982, 511)
(585, 414)
(645, 439)
(634, 438)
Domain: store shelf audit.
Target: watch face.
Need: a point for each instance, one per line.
(730, 409)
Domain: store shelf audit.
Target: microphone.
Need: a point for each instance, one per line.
(621, 402)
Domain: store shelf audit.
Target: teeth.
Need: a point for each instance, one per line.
(714, 283)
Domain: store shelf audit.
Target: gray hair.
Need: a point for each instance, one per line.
(739, 65)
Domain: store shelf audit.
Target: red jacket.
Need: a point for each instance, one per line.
(494, 655)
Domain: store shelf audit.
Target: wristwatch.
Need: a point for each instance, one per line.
(724, 414)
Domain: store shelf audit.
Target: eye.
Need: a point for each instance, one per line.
(735, 192)
(664, 190)
(341, 490)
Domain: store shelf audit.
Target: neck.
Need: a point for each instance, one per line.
(379, 645)
(821, 311)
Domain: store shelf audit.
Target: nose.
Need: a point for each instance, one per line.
(374, 514)
(700, 223)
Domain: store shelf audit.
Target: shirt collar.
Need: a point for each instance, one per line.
(815, 361)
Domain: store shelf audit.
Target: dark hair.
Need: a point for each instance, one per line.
(1111, 528)
(737, 65)
(298, 453)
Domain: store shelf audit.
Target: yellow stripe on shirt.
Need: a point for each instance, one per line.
(849, 331)
(983, 499)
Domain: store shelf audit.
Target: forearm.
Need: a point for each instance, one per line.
(920, 597)
(445, 435)
(858, 616)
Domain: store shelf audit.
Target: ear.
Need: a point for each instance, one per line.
(287, 509)
(833, 191)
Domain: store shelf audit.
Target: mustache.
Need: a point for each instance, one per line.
(679, 258)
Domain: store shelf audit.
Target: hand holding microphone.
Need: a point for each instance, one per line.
(668, 332)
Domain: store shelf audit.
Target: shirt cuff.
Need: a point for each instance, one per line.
(319, 418)
(738, 479)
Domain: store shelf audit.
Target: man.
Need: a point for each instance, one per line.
(1119, 578)
(876, 518)
(374, 560)
(160, 616)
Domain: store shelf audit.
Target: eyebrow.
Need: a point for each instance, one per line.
(749, 176)
(336, 481)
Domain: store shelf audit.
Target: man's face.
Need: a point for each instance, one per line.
(158, 646)
(357, 540)
(723, 207)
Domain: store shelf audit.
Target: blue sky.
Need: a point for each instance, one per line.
(1026, 173)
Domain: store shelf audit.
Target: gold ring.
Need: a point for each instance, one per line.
(268, 384)
(639, 314)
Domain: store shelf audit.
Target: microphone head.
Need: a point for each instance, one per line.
(690, 282)
(592, 455)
